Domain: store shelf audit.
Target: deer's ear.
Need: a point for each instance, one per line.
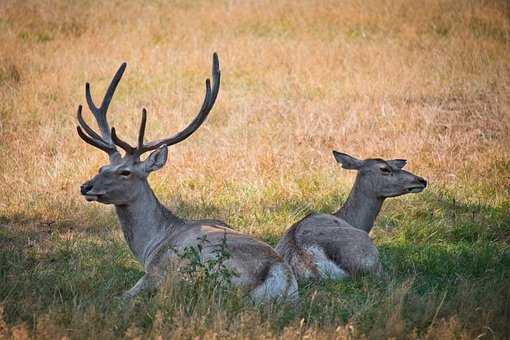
(156, 159)
(397, 163)
(348, 162)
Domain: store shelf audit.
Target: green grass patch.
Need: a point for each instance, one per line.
(442, 259)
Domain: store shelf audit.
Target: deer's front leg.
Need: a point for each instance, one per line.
(146, 283)
(156, 269)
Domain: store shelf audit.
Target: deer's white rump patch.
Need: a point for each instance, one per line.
(324, 265)
(279, 283)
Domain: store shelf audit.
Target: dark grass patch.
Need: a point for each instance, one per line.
(440, 263)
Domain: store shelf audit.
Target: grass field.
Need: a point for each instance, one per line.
(424, 80)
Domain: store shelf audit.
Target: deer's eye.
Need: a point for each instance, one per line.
(125, 173)
(386, 171)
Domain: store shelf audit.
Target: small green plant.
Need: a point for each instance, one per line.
(212, 273)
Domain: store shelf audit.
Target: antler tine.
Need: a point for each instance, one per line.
(85, 126)
(100, 113)
(209, 99)
(124, 145)
(93, 138)
(216, 78)
(141, 132)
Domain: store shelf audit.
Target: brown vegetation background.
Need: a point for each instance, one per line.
(424, 81)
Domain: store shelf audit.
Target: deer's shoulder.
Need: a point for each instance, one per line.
(326, 228)
(315, 221)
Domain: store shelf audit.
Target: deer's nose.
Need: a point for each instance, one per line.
(85, 187)
(422, 181)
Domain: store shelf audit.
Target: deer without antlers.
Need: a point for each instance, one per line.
(154, 234)
(337, 246)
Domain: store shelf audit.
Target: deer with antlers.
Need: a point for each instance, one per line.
(154, 234)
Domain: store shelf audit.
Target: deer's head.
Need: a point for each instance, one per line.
(382, 178)
(120, 181)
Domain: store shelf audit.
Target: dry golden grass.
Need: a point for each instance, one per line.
(370, 78)
(427, 81)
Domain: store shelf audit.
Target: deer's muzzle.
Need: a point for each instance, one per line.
(87, 190)
(86, 187)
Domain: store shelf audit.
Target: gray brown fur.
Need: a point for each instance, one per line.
(154, 234)
(338, 245)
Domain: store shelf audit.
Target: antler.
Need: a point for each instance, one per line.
(107, 139)
(103, 141)
(209, 99)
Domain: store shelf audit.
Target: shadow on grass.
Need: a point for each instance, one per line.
(439, 217)
(440, 245)
(43, 267)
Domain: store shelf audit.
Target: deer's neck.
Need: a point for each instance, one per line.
(145, 222)
(361, 209)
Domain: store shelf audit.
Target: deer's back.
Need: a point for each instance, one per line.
(348, 247)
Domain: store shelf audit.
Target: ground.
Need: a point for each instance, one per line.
(426, 81)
